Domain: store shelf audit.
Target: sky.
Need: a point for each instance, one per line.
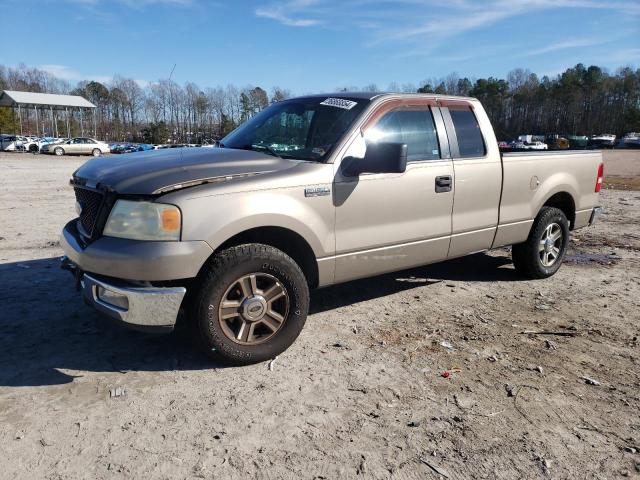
(315, 45)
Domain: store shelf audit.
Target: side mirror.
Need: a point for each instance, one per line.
(380, 157)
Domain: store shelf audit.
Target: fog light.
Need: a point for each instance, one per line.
(112, 298)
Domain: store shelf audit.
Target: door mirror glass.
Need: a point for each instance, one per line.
(380, 157)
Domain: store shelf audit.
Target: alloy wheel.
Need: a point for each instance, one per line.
(550, 245)
(253, 308)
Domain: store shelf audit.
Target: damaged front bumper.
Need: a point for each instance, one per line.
(136, 305)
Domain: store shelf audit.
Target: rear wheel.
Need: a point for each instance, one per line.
(59, 151)
(251, 306)
(542, 254)
(96, 152)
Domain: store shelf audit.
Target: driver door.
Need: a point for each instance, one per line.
(387, 222)
(74, 146)
(88, 146)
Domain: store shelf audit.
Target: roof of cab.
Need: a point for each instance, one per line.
(372, 95)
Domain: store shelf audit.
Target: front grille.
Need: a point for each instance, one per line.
(90, 202)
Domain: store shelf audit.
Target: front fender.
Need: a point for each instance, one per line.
(217, 218)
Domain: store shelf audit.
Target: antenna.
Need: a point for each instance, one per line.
(171, 96)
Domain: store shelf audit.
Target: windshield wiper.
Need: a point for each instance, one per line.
(266, 148)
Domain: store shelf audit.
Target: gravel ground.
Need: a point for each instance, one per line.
(362, 391)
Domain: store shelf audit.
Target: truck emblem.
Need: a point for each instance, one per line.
(317, 191)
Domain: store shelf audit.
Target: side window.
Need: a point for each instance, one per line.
(412, 126)
(470, 141)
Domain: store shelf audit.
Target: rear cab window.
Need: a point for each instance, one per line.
(470, 139)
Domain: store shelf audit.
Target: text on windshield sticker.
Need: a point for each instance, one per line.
(339, 102)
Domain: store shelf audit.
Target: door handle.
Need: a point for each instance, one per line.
(443, 183)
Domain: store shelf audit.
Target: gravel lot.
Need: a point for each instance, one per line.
(360, 394)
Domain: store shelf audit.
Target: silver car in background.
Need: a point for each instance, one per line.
(77, 146)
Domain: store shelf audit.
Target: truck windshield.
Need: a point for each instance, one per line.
(302, 128)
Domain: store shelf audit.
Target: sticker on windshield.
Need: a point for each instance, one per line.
(340, 103)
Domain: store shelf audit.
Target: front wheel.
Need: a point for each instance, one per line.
(59, 151)
(96, 152)
(542, 254)
(251, 305)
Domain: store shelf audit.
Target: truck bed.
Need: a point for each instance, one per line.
(531, 179)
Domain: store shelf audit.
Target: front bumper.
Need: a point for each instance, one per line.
(134, 259)
(147, 308)
(137, 306)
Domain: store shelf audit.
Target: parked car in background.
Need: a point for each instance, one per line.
(41, 142)
(130, 147)
(578, 142)
(531, 138)
(13, 143)
(77, 146)
(536, 146)
(7, 141)
(604, 140)
(32, 144)
(556, 142)
(517, 145)
(631, 140)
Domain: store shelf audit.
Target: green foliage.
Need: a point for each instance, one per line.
(227, 125)
(580, 101)
(155, 133)
(632, 118)
(8, 121)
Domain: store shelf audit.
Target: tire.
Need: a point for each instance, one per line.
(59, 151)
(33, 148)
(274, 286)
(541, 256)
(96, 152)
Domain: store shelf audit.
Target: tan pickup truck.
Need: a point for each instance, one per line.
(311, 192)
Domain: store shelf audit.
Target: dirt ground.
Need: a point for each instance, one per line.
(361, 394)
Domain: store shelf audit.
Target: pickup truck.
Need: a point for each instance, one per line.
(310, 192)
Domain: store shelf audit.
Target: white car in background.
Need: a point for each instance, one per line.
(536, 146)
(77, 146)
(12, 143)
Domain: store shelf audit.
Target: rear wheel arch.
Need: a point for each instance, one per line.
(563, 201)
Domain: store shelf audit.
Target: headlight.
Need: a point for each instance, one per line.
(144, 221)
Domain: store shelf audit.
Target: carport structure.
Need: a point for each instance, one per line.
(49, 105)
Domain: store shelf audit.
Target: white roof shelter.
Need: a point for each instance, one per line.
(48, 101)
(11, 98)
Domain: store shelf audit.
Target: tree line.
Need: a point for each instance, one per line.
(579, 101)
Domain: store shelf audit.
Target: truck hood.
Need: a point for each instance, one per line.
(160, 171)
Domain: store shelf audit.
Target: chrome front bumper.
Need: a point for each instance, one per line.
(139, 307)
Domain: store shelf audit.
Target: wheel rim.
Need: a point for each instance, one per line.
(96, 152)
(58, 151)
(253, 309)
(550, 245)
